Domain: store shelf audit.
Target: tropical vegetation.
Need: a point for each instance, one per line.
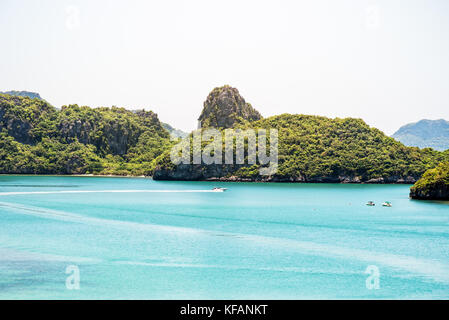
(37, 138)
(434, 184)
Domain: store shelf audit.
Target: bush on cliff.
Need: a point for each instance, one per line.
(434, 184)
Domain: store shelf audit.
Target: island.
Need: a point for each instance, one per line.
(434, 184)
(311, 148)
(38, 138)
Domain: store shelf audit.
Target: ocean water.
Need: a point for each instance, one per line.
(135, 238)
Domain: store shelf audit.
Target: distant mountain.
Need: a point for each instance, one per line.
(425, 134)
(174, 132)
(28, 94)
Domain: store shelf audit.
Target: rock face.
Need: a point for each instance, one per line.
(113, 130)
(19, 129)
(190, 172)
(227, 173)
(436, 192)
(224, 107)
(20, 116)
(434, 185)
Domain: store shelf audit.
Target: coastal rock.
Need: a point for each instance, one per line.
(225, 107)
(376, 180)
(407, 180)
(434, 185)
(436, 192)
(187, 172)
(345, 179)
(226, 173)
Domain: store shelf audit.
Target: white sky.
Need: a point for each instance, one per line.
(384, 61)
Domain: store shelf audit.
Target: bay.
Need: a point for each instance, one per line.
(135, 238)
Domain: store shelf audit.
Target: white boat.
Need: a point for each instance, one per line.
(387, 204)
(216, 189)
(371, 204)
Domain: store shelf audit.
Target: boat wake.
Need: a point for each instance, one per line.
(14, 193)
(428, 269)
(11, 255)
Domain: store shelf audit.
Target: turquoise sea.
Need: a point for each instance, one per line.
(135, 238)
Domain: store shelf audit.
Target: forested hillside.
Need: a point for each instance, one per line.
(320, 149)
(311, 148)
(38, 138)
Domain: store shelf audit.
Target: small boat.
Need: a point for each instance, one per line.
(371, 204)
(216, 189)
(387, 204)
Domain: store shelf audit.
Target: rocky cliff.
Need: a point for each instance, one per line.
(112, 130)
(23, 118)
(225, 107)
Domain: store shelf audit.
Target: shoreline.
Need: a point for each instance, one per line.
(231, 179)
(72, 175)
